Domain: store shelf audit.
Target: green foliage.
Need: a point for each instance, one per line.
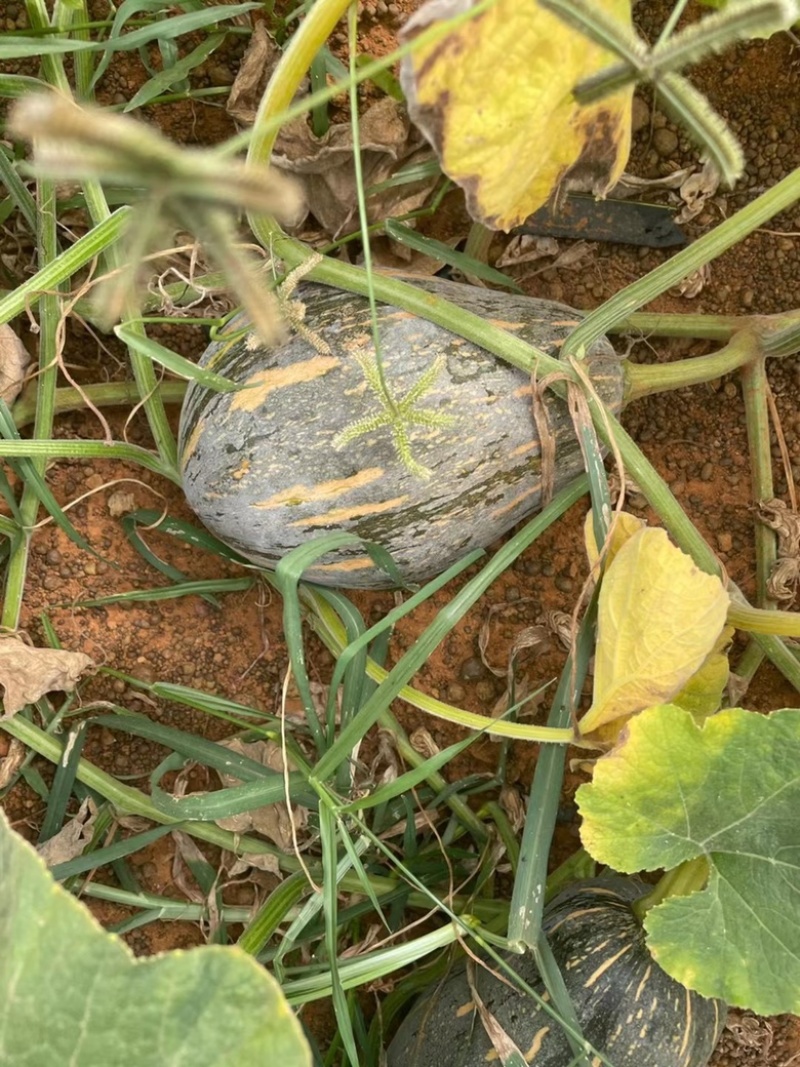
(727, 790)
(75, 994)
(675, 791)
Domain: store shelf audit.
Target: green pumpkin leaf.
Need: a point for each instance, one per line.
(727, 789)
(75, 994)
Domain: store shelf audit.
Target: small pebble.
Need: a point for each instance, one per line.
(640, 114)
(455, 693)
(725, 542)
(471, 670)
(485, 690)
(665, 142)
(707, 471)
(219, 74)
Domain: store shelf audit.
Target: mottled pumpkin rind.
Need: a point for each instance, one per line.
(628, 1007)
(259, 465)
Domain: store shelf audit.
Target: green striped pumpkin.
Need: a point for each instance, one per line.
(261, 470)
(628, 1007)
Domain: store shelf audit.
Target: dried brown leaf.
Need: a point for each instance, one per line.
(72, 838)
(262, 861)
(422, 742)
(272, 820)
(513, 805)
(525, 248)
(693, 285)
(750, 1032)
(560, 625)
(27, 673)
(14, 360)
(630, 185)
(256, 69)
(324, 165)
(502, 1042)
(785, 523)
(784, 581)
(187, 852)
(12, 761)
(696, 191)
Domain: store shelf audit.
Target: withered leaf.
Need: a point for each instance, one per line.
(14, 360)
(272, 820)
(27, 673)
(324, 165)
(72, 838)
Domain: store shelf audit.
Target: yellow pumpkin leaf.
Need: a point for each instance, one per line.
(495, 99)
(659, 617)
(623, 527)
(702, 694)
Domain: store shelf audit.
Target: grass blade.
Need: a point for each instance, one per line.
(405, 235)
(167, 78)
(63, 784)
(136, 339)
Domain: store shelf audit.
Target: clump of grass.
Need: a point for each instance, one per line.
(384, 854)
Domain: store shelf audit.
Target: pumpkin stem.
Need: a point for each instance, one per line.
(687, 878)
(643, 379)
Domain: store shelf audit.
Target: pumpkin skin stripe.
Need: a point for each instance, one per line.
(538, 1039)
(628, 1008)
(688, 1031)
(189, 445)
(245, 453)
(337, 515)
(257, 389)
(643, 983)
(601, 970)
(346, 565)
(306, 494)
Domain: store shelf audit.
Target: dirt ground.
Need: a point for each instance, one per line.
(696, 438)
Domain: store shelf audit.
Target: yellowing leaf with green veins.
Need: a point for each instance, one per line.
(659, 616)
(702, 694)
(495, 99)
(623, 527)
(726, 791)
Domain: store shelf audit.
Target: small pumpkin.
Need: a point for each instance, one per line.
(261, 466)
(627, 1006)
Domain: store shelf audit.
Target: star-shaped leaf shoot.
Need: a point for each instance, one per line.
(397, 415)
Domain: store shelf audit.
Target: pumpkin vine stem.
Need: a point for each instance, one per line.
(688, 877)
